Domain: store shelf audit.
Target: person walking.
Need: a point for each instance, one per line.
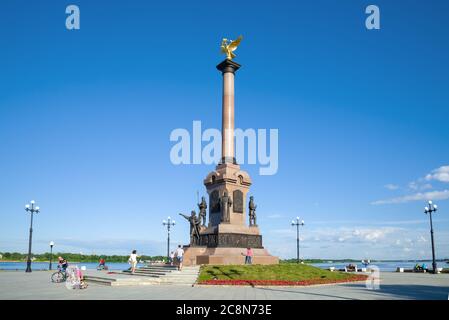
(249, 256)
(133, 261)
(179, 256)
(172, 257)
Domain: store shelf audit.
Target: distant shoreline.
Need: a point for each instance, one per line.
(56, 261)
(285, 260)
(48, 261)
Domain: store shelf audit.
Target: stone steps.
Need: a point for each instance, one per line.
(97, 280)
(143, 276)
(144, 272)
(187, 276)
(119, 281)
(161, 267)
(128, 273)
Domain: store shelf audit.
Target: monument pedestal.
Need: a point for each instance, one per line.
(222, 256)
(225, 242)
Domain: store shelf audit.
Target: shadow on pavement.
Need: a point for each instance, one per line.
(416, 292)
(307, 293)
(386, 292)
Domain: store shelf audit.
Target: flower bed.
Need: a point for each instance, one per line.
(309, 282)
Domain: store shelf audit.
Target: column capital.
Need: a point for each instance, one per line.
(228, 65)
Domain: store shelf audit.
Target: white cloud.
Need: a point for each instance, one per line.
(421, 239)
(417, 185)
(413, 185)
(282, 231)
(426, 186)
(375, 242)
(440, 174)
(404, 222)
(274, 216)
(391, 186)
(420, 196)
(373, 235)
(344, 234)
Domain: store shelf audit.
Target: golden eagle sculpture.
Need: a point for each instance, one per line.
(228, 46)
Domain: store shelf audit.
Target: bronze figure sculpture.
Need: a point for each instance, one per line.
(194, 227)
(202, 213)
(229, 46)
(252, 211)
(225, 205)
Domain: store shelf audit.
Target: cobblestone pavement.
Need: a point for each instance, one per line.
(37, 285)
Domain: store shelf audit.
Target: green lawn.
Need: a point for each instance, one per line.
(288, 271)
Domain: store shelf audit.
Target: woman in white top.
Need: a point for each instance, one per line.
(179, 257)
(133, 260)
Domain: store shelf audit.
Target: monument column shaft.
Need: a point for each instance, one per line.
(227, 133)
(228, 69)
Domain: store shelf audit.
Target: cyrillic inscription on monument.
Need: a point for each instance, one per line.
(237, 195)
(214, 202)
(232, 240)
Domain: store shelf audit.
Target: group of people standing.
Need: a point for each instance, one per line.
(178, 254)
(177, 257)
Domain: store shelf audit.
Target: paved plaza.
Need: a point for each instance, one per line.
(37, 285)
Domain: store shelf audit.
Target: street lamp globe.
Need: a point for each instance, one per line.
(52, 243)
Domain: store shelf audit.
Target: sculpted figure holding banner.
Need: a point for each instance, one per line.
(202, 214)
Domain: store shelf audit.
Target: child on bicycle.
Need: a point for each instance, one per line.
(62, 264)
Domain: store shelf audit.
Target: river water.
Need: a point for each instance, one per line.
(44, 265)
(383, 265)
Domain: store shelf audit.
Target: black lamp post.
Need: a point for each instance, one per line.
(297, 223)
(51, 253)
(169, 223)
(428, 210)
(31, 208)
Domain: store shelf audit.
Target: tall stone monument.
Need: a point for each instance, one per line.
(227, 235)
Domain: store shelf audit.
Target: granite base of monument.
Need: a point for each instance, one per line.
(225, 256)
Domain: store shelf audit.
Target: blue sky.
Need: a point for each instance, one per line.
(86, 115)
